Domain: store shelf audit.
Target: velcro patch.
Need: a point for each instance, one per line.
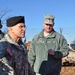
(9, 51)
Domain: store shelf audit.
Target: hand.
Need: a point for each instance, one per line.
(51, 52)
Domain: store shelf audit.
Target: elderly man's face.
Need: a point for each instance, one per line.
(19, 30)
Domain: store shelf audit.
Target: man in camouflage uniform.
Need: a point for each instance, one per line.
(1, 33)
(47, 49)
(13, 53)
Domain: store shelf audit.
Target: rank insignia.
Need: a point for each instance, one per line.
(9, 51)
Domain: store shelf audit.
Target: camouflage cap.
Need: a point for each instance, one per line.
(49, 19)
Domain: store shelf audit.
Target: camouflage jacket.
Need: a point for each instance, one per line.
(13, 58)
(38, 56)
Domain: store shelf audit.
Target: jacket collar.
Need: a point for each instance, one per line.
(51, 35)
(10, 40)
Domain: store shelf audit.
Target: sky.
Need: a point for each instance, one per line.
(34, 11)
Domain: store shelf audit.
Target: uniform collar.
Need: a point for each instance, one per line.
(10, 40)
(51, 35)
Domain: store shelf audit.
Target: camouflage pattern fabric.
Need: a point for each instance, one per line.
(5, 69)
(16, 57)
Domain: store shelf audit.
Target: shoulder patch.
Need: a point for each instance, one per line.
(9, 51)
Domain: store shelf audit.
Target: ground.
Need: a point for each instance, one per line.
(68, 64)
(70, 70)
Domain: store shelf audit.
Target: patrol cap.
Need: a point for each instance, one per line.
(49, 19)
(15, 20)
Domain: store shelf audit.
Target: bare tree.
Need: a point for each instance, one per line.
(2, 14)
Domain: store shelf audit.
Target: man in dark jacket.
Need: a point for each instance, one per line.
(13, 53)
